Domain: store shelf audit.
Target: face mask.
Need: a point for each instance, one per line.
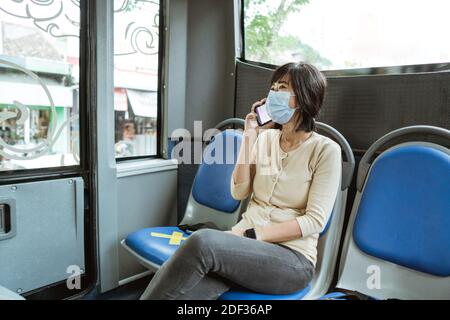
(278, 106)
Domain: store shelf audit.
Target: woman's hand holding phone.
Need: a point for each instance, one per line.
(250, 120)
(242, 171)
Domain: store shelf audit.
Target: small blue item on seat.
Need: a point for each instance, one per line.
(404, 213)
(156, 245)
(243, 294)
(211, 186)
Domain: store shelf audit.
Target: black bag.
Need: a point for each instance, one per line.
(194, 227)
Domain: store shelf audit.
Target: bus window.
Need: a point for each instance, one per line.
(136, 78)
(347, 34)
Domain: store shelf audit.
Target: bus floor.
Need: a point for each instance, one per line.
(130, 291)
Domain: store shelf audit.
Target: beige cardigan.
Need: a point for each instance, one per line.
(301, 184)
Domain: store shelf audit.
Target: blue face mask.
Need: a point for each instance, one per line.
(278, 106)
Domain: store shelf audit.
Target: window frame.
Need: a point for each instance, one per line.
(88, 162)
(369, 71)
(160, 101)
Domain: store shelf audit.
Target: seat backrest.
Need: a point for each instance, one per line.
(210, 199)
(211, 186)
(398, 241)
(328, 246)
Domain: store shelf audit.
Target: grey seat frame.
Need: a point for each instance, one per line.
(328, 245)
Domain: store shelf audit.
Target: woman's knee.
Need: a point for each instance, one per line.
(201, 240)
(299, 280)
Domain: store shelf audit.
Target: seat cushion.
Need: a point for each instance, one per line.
(242, 294)
(156, 245)
(404, 213)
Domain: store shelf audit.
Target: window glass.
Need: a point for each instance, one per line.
(136, 67)
(39, 84)
(347, 34)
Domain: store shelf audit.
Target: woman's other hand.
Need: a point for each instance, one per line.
(237, 232)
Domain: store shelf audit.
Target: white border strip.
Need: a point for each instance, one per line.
(134, 168)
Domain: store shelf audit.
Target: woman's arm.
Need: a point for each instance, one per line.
(280, 232)
(244, 170)
(246, 159)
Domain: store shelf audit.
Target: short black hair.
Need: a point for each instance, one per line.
(309, 86)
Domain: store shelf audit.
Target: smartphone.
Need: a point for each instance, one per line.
(262, 117)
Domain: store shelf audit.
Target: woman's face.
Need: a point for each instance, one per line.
(284, 84)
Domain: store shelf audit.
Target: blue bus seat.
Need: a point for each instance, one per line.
(243, 294)
(329, 240)
(153, 246)
(397, 243)
(156, 245)
(210, 200)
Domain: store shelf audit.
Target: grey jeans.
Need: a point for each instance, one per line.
(210, 262)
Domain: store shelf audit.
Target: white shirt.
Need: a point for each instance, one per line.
(301, 184)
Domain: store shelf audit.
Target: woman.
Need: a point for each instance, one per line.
(293, 175)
